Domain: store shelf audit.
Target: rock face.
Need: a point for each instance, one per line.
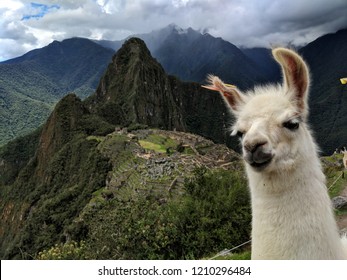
(339, 202)
(59, 128)
(136, 90)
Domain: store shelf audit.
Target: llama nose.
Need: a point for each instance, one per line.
(257, 153)
(253, 147)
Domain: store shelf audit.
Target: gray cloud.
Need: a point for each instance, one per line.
(243, 22)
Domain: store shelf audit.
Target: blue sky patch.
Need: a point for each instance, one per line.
(38, 10)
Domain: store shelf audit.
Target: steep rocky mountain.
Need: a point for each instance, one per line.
(30, 85)
(191, 55)
(327, 58)
(136, 90)
(78, 179)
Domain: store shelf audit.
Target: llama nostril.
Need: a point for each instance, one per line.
(260, 156)
(253, 147)
(257, 153)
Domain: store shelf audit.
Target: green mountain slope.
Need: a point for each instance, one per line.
(30, 85)
(23, 105)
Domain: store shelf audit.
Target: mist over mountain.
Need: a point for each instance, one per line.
(191, 55)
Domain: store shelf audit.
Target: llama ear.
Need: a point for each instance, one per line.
(233, 97)
(296, 76)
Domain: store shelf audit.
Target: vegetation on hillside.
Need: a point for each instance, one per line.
(31, 85)
(212, 215)
(82, 208)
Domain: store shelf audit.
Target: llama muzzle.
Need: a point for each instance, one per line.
(257, 156)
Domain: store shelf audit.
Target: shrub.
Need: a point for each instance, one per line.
(69, 251)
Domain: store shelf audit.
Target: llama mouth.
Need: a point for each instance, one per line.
(258, 160)
(258, 166)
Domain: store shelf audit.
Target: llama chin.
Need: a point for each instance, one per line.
(292, 215)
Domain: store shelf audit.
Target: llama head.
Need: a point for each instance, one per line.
(270, 120)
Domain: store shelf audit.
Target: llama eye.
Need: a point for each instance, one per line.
(291, 125)
(239, 134)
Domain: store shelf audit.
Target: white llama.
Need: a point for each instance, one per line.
(292, 215)
(344, 157)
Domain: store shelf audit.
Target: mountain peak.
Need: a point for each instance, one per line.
(175, 28)
(59, 128)
(134, 48)
(135, 90)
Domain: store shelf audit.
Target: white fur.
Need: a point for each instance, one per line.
(344, 157)
(292, 215)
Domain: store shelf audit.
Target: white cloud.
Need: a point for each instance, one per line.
(179, 3)
(242, 22)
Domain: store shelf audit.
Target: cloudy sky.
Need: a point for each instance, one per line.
(25, 24)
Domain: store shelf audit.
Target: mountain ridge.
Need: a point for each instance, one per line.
(146, 95)
(51, 76)
(59, 54)
(33, 83)
(189, 55)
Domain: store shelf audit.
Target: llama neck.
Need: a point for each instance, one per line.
(292, 215)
